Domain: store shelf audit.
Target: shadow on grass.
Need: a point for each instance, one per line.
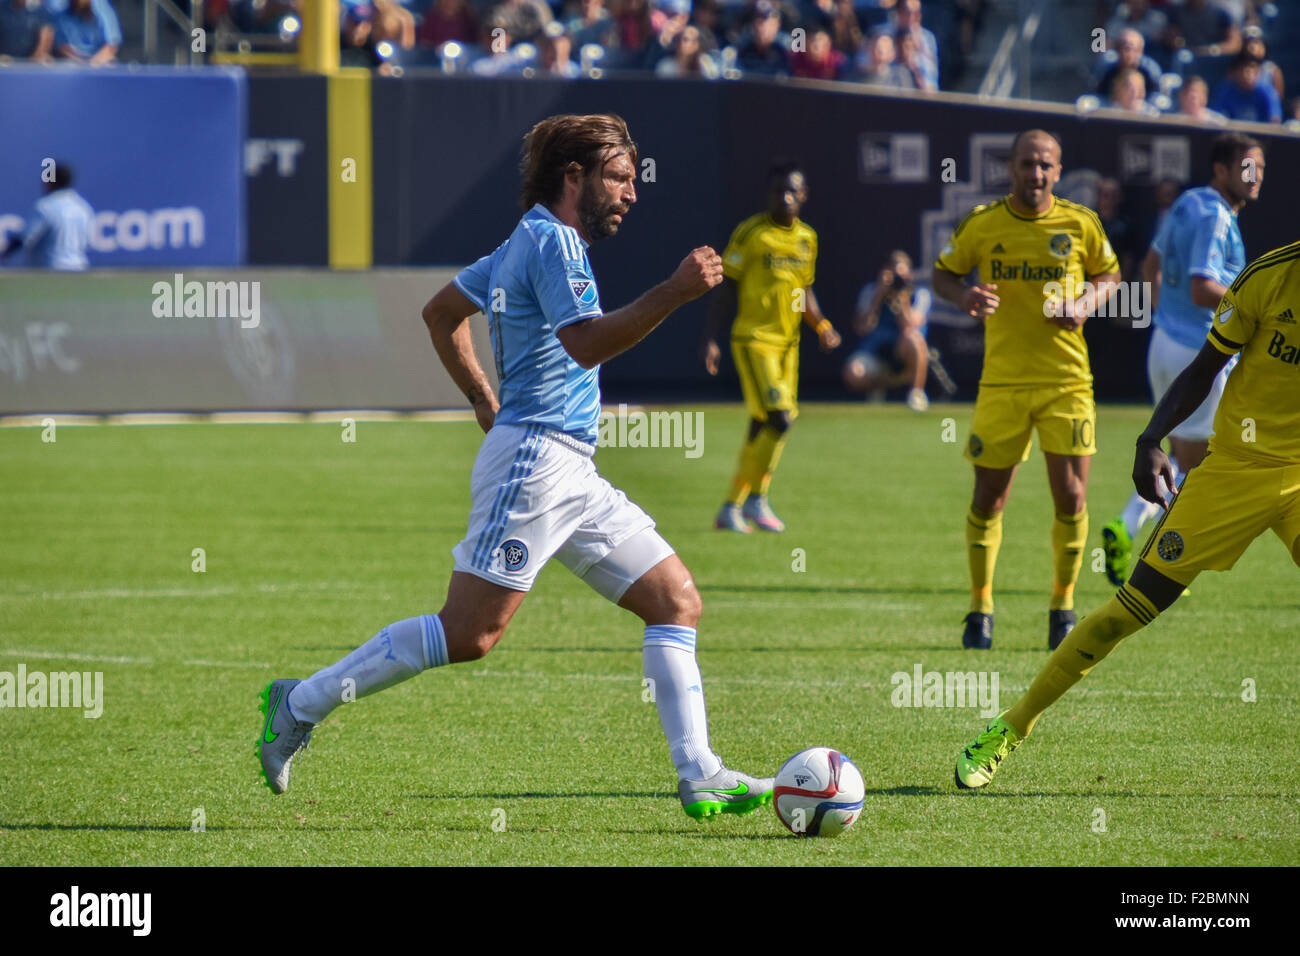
(533, 796)
(846, 589)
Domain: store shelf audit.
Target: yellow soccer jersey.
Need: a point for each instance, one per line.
(770, 263)
(1259, 316)
(1023, 256)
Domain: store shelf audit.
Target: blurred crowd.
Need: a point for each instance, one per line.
(1208, 60)
(886, 43)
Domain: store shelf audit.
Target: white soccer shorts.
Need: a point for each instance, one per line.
(537, 495)
(1166, 360)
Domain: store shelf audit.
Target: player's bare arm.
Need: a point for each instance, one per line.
(1151, 275)
(1206, 292)
(445, 315)
(721, 311)
(1185, 395)
(599, 339)
(827, 337)
(975, 300)
(1098, 291)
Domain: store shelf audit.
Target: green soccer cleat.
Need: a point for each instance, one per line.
(283, 737)
(977, 764)
(1119, 548)
(727, 791)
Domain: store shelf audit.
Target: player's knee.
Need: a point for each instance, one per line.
(779, 421)
(855, 373)
(472, 646)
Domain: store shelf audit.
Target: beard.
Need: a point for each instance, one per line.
(597, 216)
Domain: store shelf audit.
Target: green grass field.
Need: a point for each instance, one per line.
(313, 544)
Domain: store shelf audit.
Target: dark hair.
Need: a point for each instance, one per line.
(1230, 147)
(780, 169)
(1244, 58)
(62, 176)
(558, 143)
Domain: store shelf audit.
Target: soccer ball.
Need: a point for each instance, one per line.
(819, 792)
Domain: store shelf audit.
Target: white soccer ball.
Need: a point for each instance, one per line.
(819, 792)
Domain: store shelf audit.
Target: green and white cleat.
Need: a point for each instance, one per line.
(977, 764)
(283, 738)
(727, 791)
(1118, 546)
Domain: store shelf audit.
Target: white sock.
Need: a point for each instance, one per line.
(1136, 513)
(397, 652)
(668, 654)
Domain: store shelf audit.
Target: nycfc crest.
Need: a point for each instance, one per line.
(1170, 547)
(514, 554)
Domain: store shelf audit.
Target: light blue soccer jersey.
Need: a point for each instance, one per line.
(1199, 237)
(58, 231)
(534, 284)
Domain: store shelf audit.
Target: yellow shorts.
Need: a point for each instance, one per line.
(769, 377)
(1226, 503)
(1005, 417)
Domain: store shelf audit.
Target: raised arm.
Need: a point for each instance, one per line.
(599, 339)
(445, 315)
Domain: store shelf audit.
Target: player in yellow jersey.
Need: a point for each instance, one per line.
(769, 266)
(1034, 252)
(1249, 483)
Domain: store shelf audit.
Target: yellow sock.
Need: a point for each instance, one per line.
(1083, 648)
(1069, 537)
(748, 470)
(770, 445)
(983, 538)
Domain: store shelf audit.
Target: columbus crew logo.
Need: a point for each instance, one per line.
(514, 554)
(1060, 245)
(1170, 547)
(976, 446)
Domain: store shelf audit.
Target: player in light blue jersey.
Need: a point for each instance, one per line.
(1195, 256)
(536, 493)
(58, 230)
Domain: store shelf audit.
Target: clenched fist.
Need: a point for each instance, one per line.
(698, 273)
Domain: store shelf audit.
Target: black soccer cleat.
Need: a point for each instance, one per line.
(1059, 624)
(978, 635)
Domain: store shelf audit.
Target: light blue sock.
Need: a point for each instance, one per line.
(396, 653)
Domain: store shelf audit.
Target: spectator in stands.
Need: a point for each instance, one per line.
(1193, 96)
(821, 61)
(524, 20)
(448, 20)
(689, 57)
(496, 41)
(25, 32)
(355, 18)
(761, 50)
(1130, 53)
(593, 24)
(1167, 190)
(1293, 123)
(1269, 72)
(707, 15)
(846, 31)
(633, 18)
(58, 230)
(88, 32)
(554, 52)
(1128, 91)
(1109, 199)
(1205, 28)
(668, 19)
(1136, 15)
(1244, 96)
(891, 318)
(907, 19)
(392, 23)
(877, 66)
(911, 59)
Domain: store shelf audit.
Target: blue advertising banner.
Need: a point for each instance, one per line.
(158, 152)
